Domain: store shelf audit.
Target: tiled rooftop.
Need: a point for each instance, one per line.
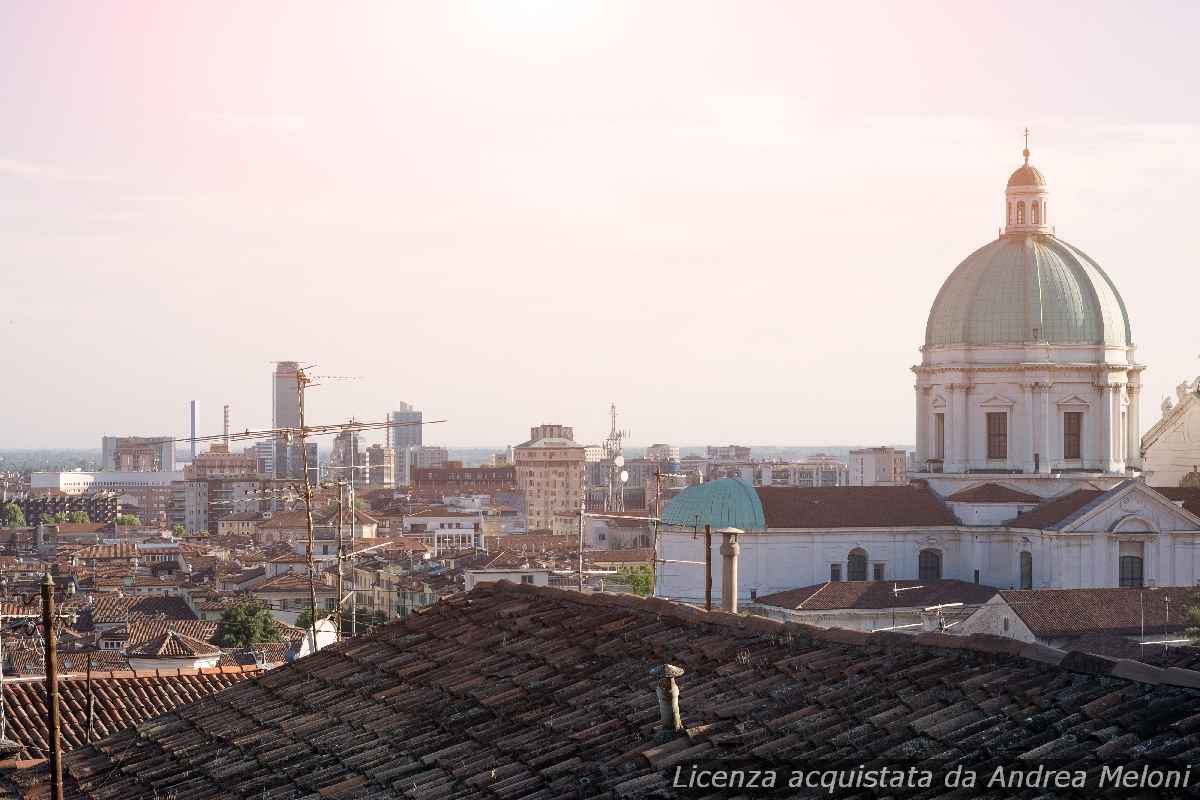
(993, 493)
(533, 693)
(1052, 613)
(121, 699)
(853, 507)
(878, 594)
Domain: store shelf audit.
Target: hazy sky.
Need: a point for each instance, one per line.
(729, 218)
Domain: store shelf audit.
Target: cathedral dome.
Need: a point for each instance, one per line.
(1028, 288)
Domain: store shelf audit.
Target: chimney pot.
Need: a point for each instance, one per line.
(668, 699)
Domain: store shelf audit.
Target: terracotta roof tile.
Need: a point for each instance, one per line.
(992, 493)
(852, 507)
(878, 594)
(513, 692)
(1056, 511)
(1052, 613)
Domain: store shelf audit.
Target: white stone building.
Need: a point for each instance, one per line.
(1171, 448)
(1028, 458)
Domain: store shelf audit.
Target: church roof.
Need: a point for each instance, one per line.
(1028, 288)
(853, 507)
(1027, 175)
(1050, 613)
(865, 595)
(730, 502)
(992, 493)
(1056, 511)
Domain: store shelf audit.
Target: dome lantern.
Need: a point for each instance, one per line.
(1025, 199)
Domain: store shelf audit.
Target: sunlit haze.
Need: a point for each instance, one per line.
(730, 219)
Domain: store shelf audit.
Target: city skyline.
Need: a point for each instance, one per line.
(766, 212)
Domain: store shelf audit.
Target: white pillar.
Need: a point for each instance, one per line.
(922, 426)
(962, 426)
(1133, 448)
(1107, 423)
(1027, 440)
(1047, 427)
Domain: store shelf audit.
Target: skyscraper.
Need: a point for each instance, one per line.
(285, 403)
(402, 438)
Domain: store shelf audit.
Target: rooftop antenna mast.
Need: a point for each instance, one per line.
(614, 500)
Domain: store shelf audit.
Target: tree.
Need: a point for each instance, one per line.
(304, 620)
(245, 624)
(128, 519)
(640, 581)
(11, 516)
(79, 517)
(178, 529)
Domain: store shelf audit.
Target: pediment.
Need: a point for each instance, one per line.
(997, 401)
(1134, 508)
(1073, 400)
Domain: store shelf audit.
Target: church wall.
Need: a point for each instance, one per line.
(1172, 447)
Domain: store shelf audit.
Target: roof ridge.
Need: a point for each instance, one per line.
(1072, 661)
(822, 588)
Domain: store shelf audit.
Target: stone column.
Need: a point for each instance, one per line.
(922, 428)
(1047, 428)
(1107, 435)
(962, 436)
(1027, 439)
(1133, 447)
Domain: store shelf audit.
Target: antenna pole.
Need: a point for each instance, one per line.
(341, 592)
(48, 620)
(582, 506)
(707, 567)
(301, 380)
(353, 579)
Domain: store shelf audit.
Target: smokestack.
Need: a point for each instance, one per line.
(729, 568)
(387, 431)
(192, 404)
(668, 699)
(226, 429)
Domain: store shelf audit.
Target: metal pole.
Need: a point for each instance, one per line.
(353, 576)
(91, 702)
(582, 506)
(48, 620)
(341, 592)
(708, 568)
(301, 378)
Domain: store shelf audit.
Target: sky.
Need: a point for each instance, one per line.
(730, 219)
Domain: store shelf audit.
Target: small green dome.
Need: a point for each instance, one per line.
(1031, 288)
(723, 503)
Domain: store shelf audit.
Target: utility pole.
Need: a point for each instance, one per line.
(341, 592)
(582, 507)
(353, 577)
(48, 623)
(707, 567)
(301, 382)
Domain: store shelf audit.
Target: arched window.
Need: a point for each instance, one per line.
(1045, 219)
(1010, 217)
(1131, 572)
(1035, 214)
(1026, 570)
(856, 565)
(929, 565)
(1021, 213)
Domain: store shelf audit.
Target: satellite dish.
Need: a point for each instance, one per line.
(619, 461)
(624, 476)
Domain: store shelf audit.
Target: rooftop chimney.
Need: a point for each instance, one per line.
(668, 699)
(729, 568)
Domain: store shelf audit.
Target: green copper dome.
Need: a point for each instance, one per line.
(723, 503)
(1031, 288)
